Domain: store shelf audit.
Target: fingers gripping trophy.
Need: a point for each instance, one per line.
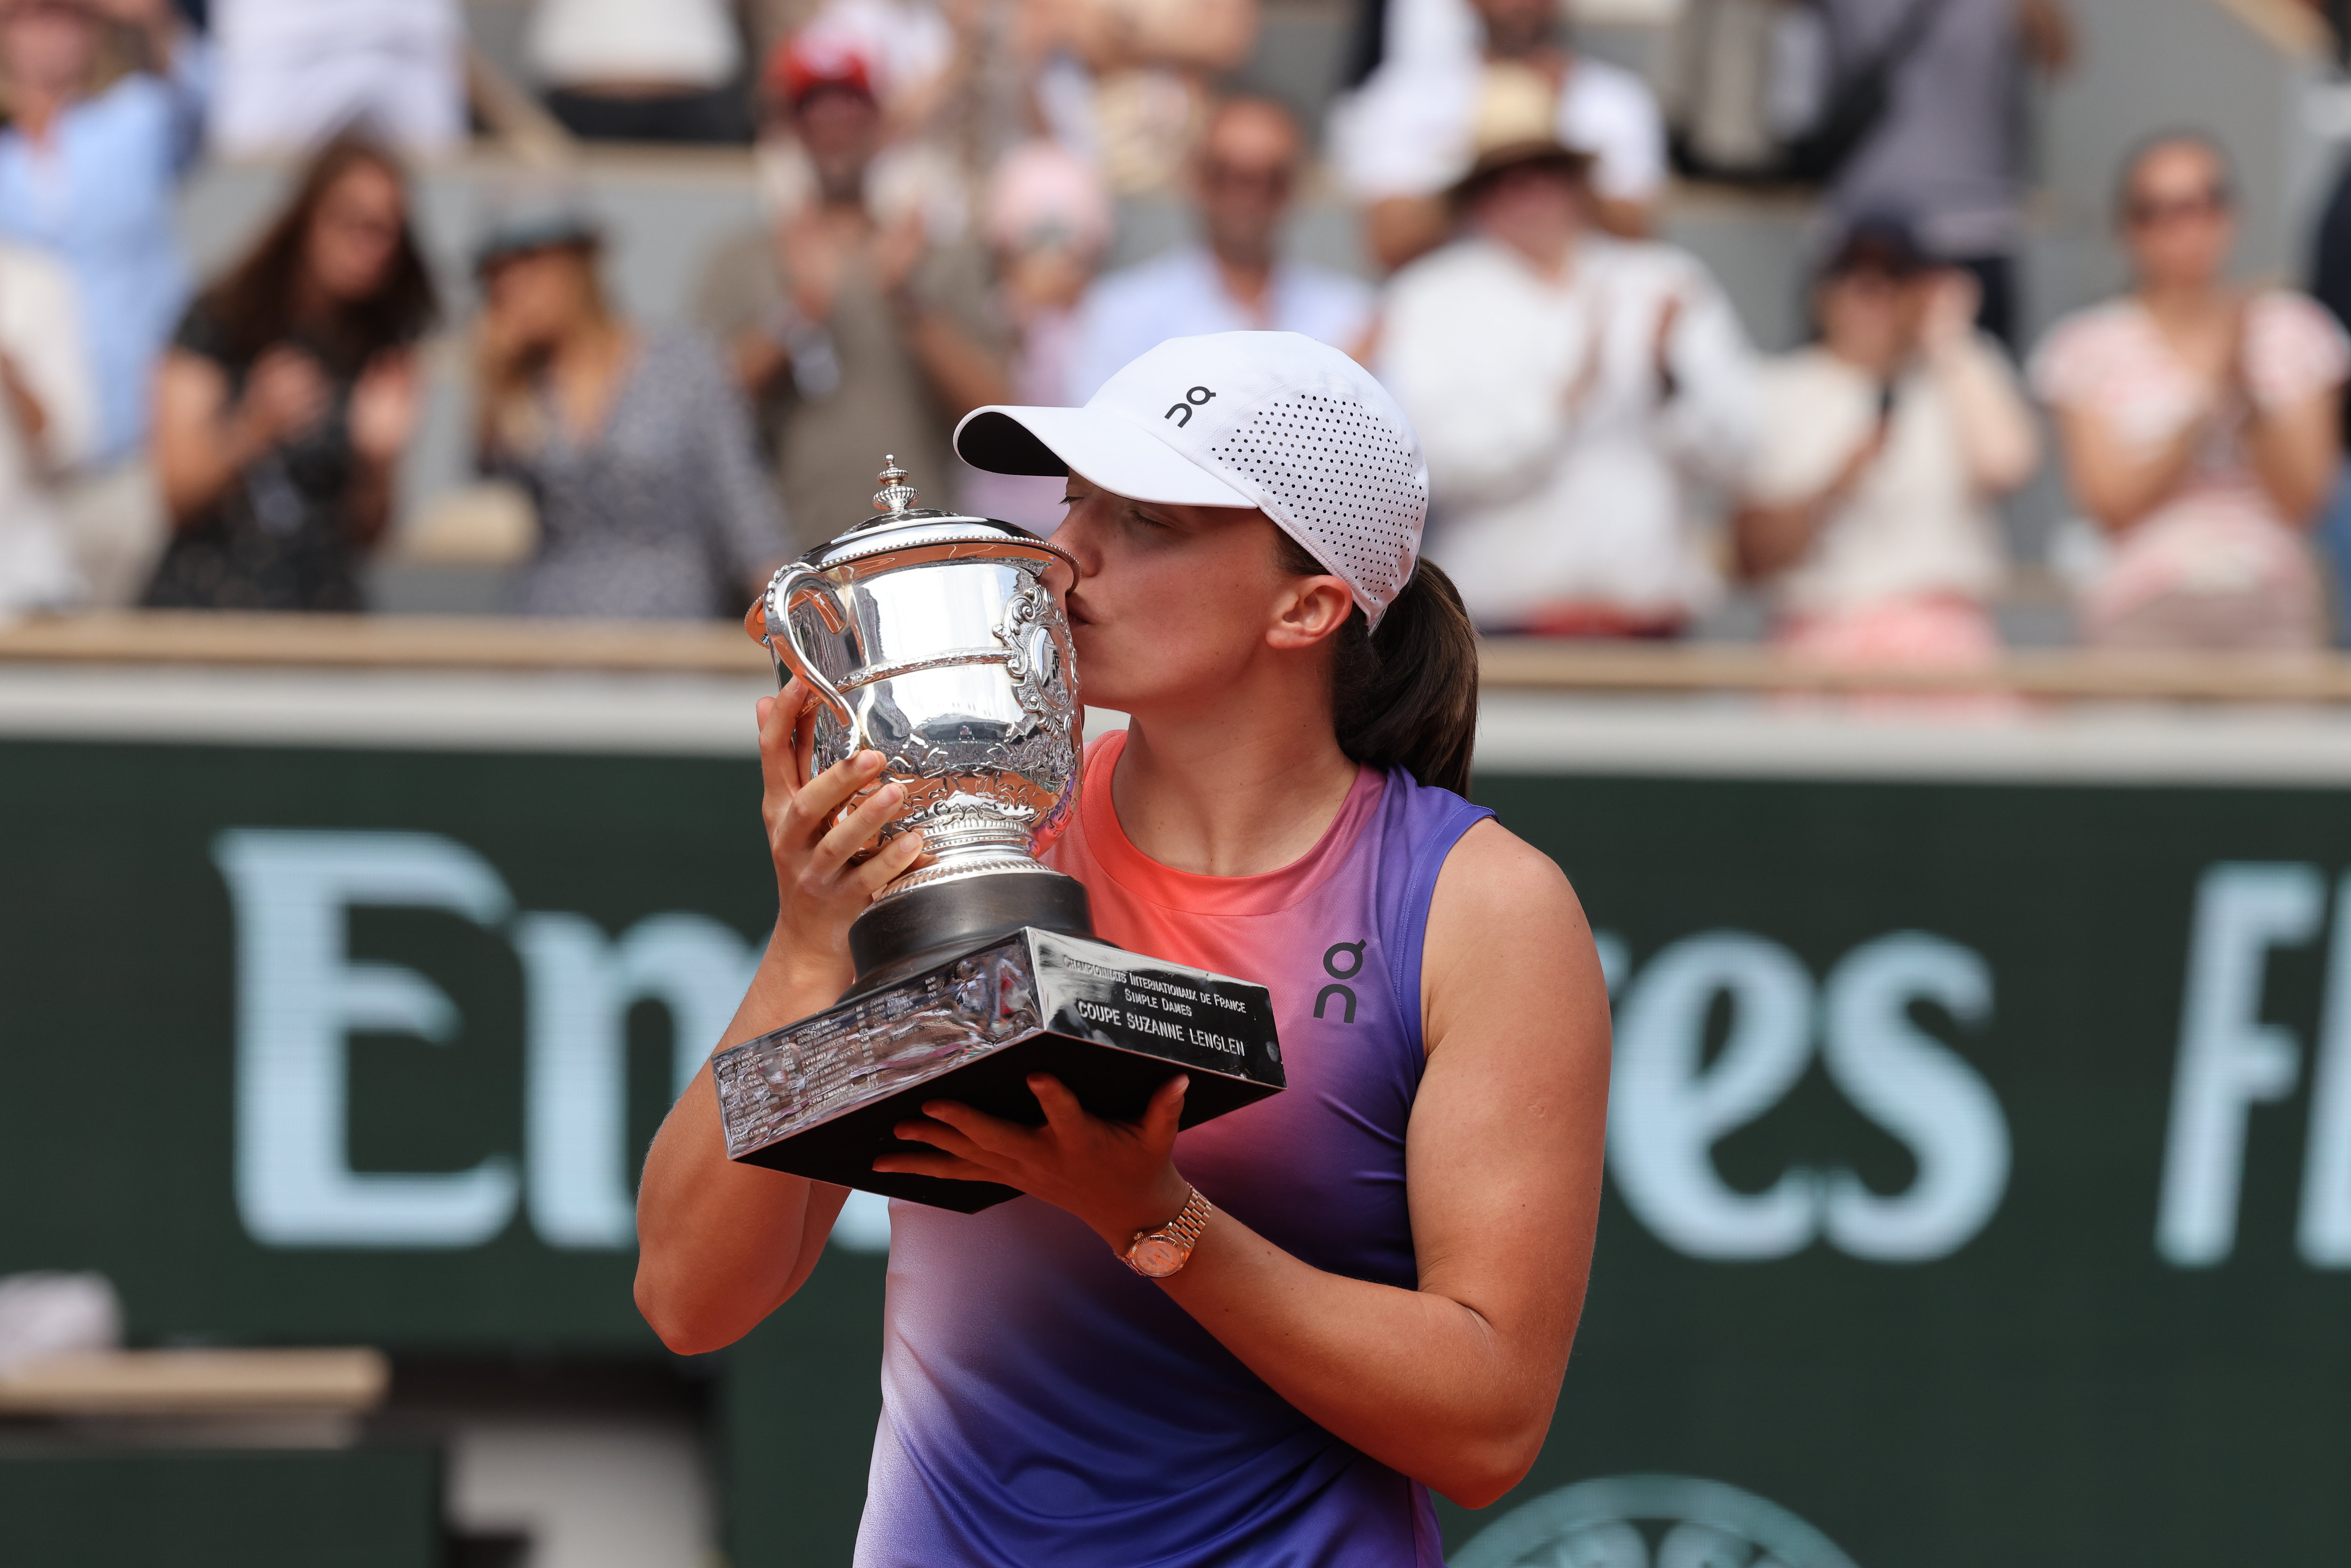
(939, 641)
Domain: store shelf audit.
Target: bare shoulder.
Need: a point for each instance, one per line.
(1494, 876)
(1505, 932)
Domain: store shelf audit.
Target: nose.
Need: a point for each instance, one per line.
(1080, 535)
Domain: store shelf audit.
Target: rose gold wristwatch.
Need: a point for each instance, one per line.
(1155, 1254)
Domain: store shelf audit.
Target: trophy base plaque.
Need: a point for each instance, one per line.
(927, 925)
(819, 1098)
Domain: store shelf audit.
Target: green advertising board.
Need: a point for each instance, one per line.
(1980, 1164)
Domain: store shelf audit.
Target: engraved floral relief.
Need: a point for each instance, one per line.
(785, 1082)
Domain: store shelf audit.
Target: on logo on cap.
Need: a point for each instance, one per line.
(1182, 412)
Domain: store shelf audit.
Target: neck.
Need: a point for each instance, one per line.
(313, 306)
(593, 339)
(1247, 275)
(1238, 787)
(1551, 256)
(36, 109)
(1877, 367)
(2181, 300)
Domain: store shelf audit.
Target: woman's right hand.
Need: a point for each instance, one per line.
(818, 891)
(284, 396)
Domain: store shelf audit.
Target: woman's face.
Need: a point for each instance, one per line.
(355, 234)
(1535, 209)
(1870, 319)
(49, 47)
(2178, 218)
(1172, 604)
(1048, 277)
(540, 296)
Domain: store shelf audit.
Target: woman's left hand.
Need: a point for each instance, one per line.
(385, 406)
(1117, 1176)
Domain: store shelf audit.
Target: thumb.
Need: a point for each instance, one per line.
(1166, 1112)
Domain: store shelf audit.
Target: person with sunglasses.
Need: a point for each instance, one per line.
(2198, 421)
(1234, 279)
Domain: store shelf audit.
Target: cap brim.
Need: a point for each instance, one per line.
(1098, 447)
(1518, 155)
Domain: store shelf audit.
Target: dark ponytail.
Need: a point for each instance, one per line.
(1405, 696)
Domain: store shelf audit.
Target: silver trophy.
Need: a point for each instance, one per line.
(937, 640)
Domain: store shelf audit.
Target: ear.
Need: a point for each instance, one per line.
(1311, 609)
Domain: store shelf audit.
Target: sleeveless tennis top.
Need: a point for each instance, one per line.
(1044, 1405)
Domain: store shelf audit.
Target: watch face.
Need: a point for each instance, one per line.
(1155, 1257)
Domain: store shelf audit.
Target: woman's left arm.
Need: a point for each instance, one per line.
(2296, 450)
(1453, 1383)
(2288, 368)
(1997, 439)
(383, 412)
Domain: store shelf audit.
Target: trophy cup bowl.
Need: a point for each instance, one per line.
(936, 640)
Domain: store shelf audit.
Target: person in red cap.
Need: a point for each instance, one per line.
(862, 314)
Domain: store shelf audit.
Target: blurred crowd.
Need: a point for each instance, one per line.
(941, 182)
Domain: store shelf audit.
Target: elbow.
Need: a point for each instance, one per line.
(1479, 1471)
(1484, 1473)
(2112, 514)
(2009, 466)
(683, 1330)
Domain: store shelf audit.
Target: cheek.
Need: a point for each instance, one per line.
(1169, 620)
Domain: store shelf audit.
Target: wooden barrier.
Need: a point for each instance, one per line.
(197, 1382)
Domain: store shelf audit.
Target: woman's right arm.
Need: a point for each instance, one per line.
(1772, 536)
(2115, 484)
(201, 444)
(721, 1245)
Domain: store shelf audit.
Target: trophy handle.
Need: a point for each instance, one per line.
(785, 645)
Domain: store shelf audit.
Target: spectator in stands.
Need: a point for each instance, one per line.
(1567, 386)
(1125, 82)
(49, 418)
(2199, 421)
(2330, 283)
(289, 395)
(856, 332)
(1234, 279)
(916, 50)
(87, 172)
(633, 445)
(1868, 507)
(912, 66)
(1944, 146)
(293, 73)
(1048, 223)
(1409, 132)
(639, 70)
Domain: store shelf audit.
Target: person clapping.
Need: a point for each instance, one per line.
(1868, 508)
(634, 446)
(289, 395)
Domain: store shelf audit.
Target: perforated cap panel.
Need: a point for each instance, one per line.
(1272, 420)
(1341, 479)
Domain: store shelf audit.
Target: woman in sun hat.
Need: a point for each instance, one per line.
(1377, 1273)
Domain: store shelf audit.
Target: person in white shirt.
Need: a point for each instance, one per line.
(49, 421)
(1235, 279)
(292, 73)
(1868, 511)
(1406, 136)
(639, 70)
(1570, 389)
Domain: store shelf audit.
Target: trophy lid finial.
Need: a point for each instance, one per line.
(895, 494)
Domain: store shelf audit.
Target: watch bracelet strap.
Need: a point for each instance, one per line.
(1192, 1219)
(1189, 1222)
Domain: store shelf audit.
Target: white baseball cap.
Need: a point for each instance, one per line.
(1273, 420)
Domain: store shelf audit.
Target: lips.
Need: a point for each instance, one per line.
(1076, 611)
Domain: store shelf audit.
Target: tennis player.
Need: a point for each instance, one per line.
(1268, 1339)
